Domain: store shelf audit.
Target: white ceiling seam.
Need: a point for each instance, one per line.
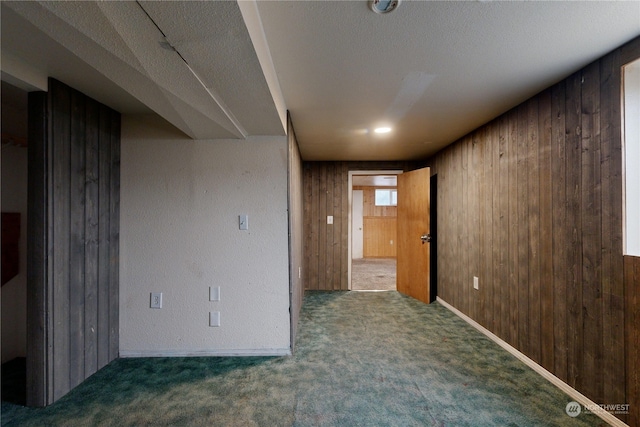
(237, 130)
(214, 40)
(132, 76)
(164, 67)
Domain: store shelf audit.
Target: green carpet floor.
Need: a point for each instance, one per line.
(362, 359)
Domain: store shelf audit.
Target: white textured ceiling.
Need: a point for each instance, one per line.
(434, 70)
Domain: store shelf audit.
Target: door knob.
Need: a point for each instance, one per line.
(426, 238)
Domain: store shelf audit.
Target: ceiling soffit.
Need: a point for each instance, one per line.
(185, 77)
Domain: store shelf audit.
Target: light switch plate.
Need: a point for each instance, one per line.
(476, 285)
(244, 222)
(329, 219)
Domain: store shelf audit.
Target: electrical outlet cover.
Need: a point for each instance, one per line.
(214, 318)
(156, 300)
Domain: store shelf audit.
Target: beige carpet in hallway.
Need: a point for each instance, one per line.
(373, 274)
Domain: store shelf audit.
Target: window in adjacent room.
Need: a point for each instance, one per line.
(631, 141)
(386, 197)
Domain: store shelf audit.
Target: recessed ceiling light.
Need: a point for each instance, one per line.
(384, 6)
(382, 130)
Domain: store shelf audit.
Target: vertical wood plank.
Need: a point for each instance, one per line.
(309, 241)
(476, 218)
(92, 219)
(344, 254)
(575, 365)
(322, 228)
(114, 237)
(545, 239)
(559, 234)
(464, 218)
(487, 205)
(104, 203)
(591, 233)
(612, 205)
(38, 376)
(523, 231)
(514, 276)
(533, 208)
(59, 209)
(77, 239)
(503, 226)
(337, 228)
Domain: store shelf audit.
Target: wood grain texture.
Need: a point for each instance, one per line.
(74, 192)
(412, 275)
(38, 374)
(380, 237)
(561, 291)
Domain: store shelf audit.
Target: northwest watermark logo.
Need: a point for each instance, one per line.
(573, 409)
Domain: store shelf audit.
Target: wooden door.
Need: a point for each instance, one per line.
(412, 274)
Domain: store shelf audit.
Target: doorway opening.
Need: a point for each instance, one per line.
(14, 243)
(372, 230)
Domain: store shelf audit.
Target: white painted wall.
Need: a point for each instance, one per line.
(357, 237)
(14, 292)
(632, 158)
(180, 201)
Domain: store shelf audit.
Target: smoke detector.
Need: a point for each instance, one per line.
(384, 6)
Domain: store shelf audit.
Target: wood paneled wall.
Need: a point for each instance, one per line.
(380, 236)
(531, 203)
(326, 192)
(296, 231)
(379, 225)
(74, 205)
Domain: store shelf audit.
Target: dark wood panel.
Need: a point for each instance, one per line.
(533, 219)
(104, 176)
(501, 227)
(60, 235)
(545, 239)
(73, 254)
(76, 201)
(612, 270)
(38, 374)
(114, 237)
(544, 182)
(560, 235)
(91, 221)
(522, 248)
(512, 195)
(591, 232)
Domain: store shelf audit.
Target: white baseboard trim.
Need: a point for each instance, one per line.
(573, 393)
(206, 353)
